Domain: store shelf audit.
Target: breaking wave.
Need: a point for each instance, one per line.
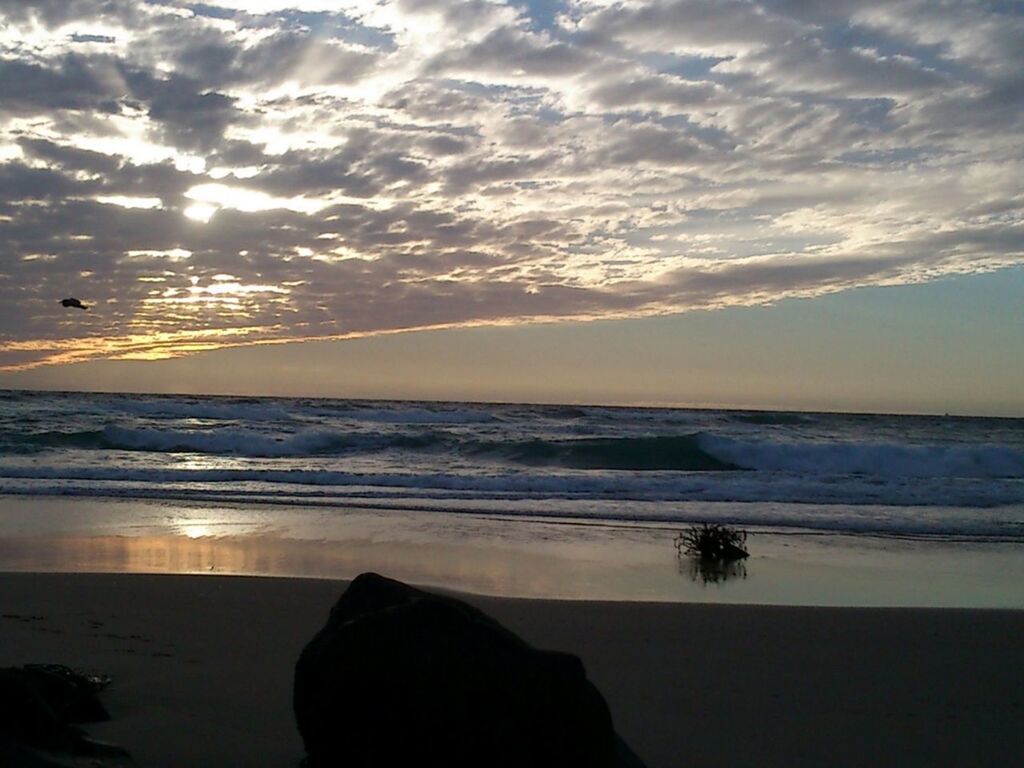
(878, 459)
(680, 453)
(229, 442)
(698, 452)
(239, 411)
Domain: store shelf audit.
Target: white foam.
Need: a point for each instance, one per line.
(649, 486)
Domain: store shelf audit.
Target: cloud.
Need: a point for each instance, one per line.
(30, 88)
(370, 167)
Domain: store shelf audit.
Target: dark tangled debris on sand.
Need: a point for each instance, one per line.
(40, 707)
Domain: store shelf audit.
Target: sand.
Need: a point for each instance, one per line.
(202, 669)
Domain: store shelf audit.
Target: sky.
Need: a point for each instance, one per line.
(760, 204)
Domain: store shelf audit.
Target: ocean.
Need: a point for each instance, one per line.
(882, 478)
(926, 476)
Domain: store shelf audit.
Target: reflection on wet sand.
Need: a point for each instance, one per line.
(488, 555)
(462, 567)
(711, 571)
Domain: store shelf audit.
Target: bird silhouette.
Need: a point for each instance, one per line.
(72, 303)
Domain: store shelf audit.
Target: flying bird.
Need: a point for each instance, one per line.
(72, 303)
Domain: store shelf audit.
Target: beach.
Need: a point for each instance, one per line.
(202, 671)
(189, 547)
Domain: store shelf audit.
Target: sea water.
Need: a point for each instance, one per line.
(890, 478)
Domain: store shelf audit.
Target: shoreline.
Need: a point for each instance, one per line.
(202, 670)
(532, 558)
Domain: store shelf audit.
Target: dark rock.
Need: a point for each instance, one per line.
(402, 677)
(72, 695)
(732, 552)
(39, 705)
(14, 754)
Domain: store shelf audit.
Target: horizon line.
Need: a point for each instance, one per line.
(635, 405)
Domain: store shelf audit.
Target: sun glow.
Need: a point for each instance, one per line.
(201, 212)
(250, 200)
(221, 290)
(149, 344)
(196, 531)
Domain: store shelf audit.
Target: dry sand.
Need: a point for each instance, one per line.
(202, 669)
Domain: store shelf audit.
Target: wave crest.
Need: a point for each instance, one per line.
(677, 452)
(878, 459)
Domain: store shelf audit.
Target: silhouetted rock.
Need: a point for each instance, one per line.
(39, 705)
(402, 677)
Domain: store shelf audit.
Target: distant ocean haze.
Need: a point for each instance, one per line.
(933, 477)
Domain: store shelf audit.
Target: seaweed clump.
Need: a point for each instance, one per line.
(714, 552)
(711, 541)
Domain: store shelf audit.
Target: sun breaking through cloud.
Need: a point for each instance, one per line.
(209, 174)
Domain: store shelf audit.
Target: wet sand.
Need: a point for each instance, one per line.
(487, 555)
(202, 669)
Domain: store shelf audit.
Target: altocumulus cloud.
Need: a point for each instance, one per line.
(229, 172)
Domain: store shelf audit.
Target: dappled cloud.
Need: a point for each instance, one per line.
(222, 173)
